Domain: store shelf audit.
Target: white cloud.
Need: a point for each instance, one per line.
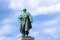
(8, 20)
(7, 29)
(46, 28)
(2, 38)
(34, 33)
(50, 23)
(50, 31)
(46, 24)
(34, 3)
(8, 26)
(20, 4)
(46, 10)
(10, 38)
(49, 28)
(48, 2)
(7, 38)
(11, 18)
(36, 7)
(16, 4)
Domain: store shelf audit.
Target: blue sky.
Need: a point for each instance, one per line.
(45, 13)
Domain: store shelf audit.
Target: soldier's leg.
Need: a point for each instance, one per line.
(23, 33)
(26, 33)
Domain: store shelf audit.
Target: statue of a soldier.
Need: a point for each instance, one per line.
(25, 22)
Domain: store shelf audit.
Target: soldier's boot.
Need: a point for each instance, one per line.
(26, 33)
(23, 34)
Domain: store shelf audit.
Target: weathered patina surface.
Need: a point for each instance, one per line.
(25, 22)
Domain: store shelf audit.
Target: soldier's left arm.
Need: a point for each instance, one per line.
(31, 20)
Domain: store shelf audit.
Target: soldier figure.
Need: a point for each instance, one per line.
(25, 22)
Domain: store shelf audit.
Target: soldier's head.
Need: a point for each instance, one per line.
(24, 10)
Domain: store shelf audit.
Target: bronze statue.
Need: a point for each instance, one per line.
(25, 22)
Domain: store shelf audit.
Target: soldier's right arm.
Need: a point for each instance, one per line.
(20, 16)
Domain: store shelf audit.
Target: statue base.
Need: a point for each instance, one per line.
(26, 38)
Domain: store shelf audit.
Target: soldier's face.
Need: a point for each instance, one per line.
(24, 11)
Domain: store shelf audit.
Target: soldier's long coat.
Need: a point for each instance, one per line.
(25, 22)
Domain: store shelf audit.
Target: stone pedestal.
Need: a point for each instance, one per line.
(26, 38)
